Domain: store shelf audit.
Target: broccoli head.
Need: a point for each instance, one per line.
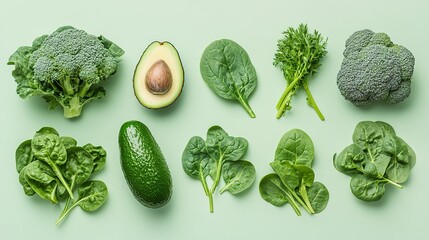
(375, 69)
(66, 68)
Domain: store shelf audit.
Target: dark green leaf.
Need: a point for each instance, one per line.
(196, 159)
(296, 147)
(98, 156)
(78, 167)
(272, 190)
(238, 176)
(350, 159)
(226, 68)
(367, 188)
(23, 155)
(318, 195)
(221, 146)
(92, 194)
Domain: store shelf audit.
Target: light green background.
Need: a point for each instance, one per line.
(191, 26)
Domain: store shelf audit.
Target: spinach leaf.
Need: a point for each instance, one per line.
(92, 195)
(195, 160)
(48, 148)
(23, 155)
(226, 68)
(318, 195)
(238, 176)
(292, 168)
(39, 177)
(272, 190)
(295, 178)
(367, 188)
(222, 147)
(98, 156)
(366, 133)
(377, 156)
(350, 159)
(218, 155)
(52, 166)
(68, 142)
(78, 167)
(296, 147)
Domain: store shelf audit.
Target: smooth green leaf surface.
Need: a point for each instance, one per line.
(238, 176)
(226, 68)
(296, 147)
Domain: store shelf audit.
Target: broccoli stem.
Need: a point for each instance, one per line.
(74, 107)
(310, 100)
(84, 89)
(67, 87)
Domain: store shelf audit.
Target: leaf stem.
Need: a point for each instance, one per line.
(311, 101)
(246, 106)
(393, 183)
(61, 178)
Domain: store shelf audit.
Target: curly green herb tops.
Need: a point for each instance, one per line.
(226, 68)
(376, 157)
(298, 56)
(219, 155)
(293, 179)
(53, 166)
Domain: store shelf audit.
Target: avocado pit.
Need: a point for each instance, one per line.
(159, 78)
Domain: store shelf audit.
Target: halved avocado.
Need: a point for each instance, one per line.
(159, 77)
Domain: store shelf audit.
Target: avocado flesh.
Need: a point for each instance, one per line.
(154, 53)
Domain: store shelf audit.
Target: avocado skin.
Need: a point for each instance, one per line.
(144, 165)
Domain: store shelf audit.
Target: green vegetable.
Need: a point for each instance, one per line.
(376, 157)
(298, 56)
(92, 194)
(375, 69)
(226, 68)
(66, 68)
(219, 155)
(53, 166)
(144, 166)
(293, 179)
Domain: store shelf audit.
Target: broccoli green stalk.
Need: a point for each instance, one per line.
(298, 56)
(66, 68)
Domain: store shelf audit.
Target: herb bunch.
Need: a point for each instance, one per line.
(298, 56)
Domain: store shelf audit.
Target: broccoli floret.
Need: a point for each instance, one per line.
(66, 68)
(375, 69)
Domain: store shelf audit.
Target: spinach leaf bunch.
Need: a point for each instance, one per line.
(226, 68)
(53, 167)
(376, 157)
(220, 155)
(293, 178)
(298, 56)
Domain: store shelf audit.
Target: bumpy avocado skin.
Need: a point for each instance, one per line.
(144, 166)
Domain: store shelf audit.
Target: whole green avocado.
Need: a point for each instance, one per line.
(144, 166)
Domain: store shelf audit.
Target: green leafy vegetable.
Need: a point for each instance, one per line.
(238, 176)
(376, 157)
(92, 194)
(293, 179)
(226, 68)
(219, 155)
(298, 56)
(66, 68)
(53, 166)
